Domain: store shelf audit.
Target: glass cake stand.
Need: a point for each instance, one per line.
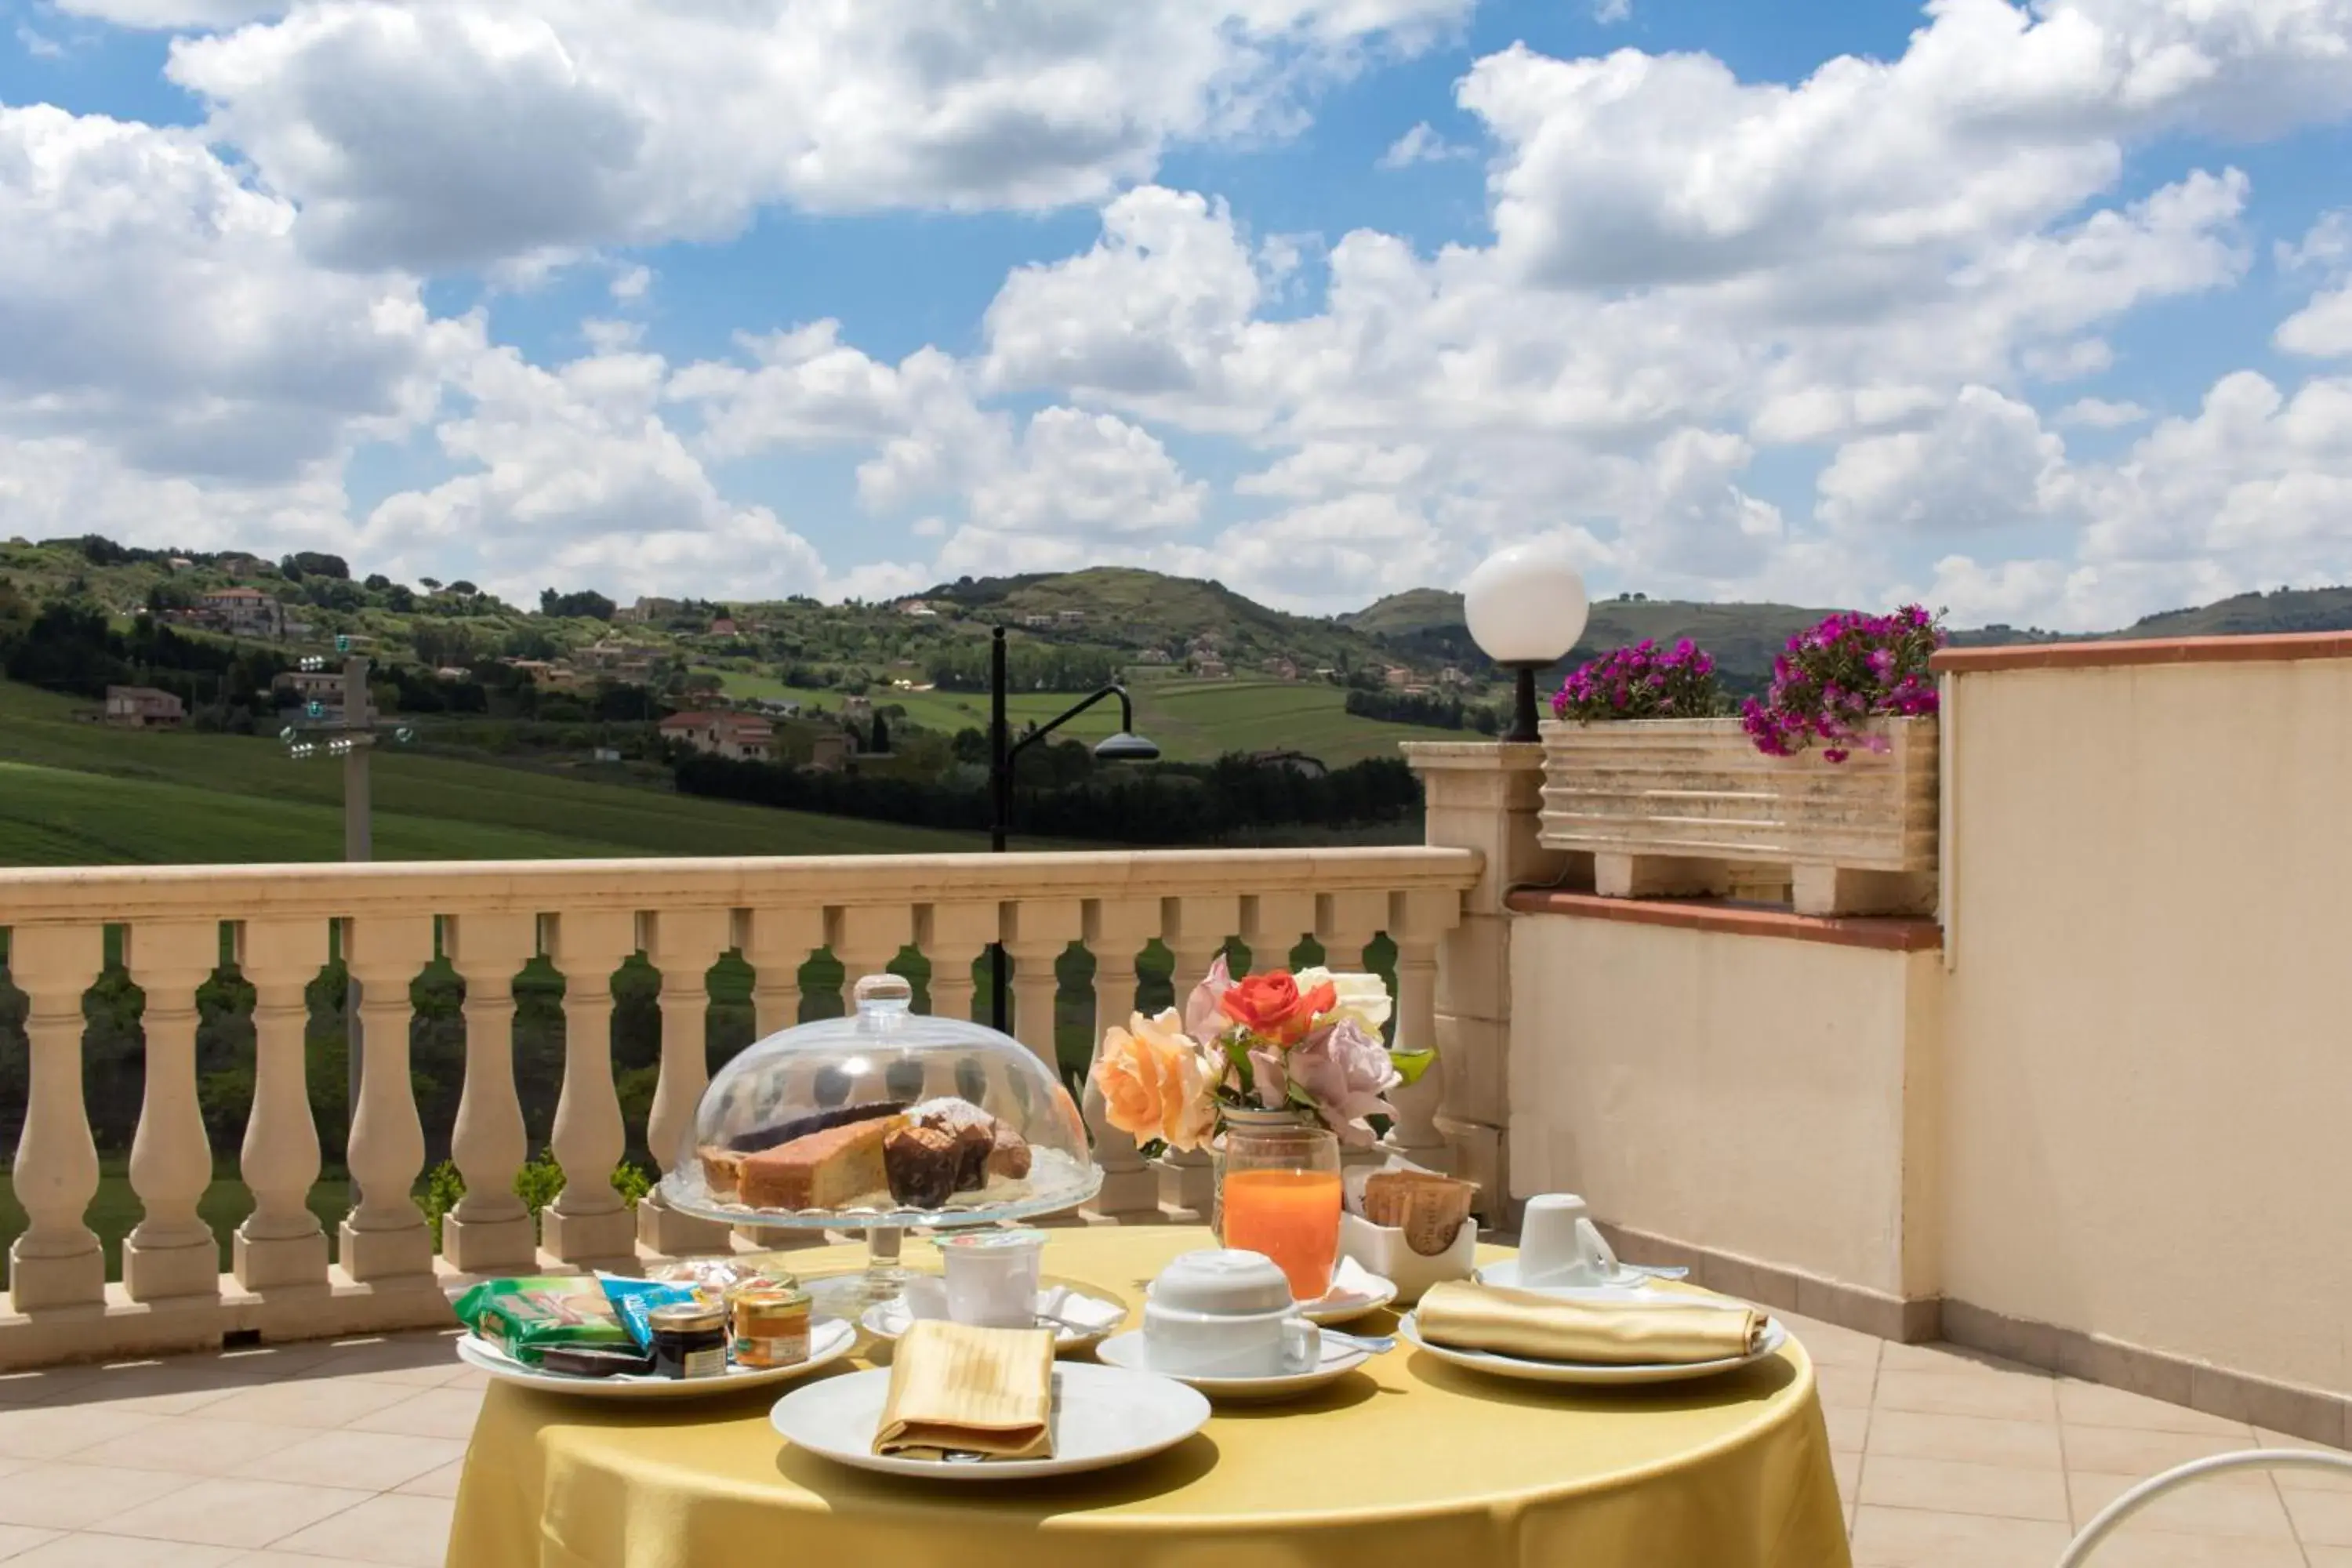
(882, 1121)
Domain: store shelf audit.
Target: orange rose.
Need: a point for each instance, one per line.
(1272, 1005)
(1157, 1082)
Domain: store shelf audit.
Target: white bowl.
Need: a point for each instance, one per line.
(1225, 1282)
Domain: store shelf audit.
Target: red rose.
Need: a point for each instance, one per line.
(1270, 1005)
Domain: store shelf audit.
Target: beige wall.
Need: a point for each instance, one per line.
(1739, 1093)
(2149, 1084)
(2119, 1101)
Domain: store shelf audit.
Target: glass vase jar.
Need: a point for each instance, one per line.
(1277, 1192)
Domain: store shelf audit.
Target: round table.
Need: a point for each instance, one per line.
(1407, 1462)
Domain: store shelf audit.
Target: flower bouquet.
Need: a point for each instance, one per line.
(1306, 1043)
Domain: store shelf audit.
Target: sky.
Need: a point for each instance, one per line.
(2038, 314)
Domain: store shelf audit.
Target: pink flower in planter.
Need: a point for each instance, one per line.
(1837, 676)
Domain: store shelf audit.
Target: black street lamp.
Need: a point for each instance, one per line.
(1126, 746)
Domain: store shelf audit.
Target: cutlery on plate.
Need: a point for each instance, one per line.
(1379, 1344)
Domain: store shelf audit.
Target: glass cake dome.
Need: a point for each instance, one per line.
(885, 1119)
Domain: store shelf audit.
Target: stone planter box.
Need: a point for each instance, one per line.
(1689, 806)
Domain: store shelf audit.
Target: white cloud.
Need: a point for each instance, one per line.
(1984, 463)
(464, 132)
(1609, 12)
(2322, 329)
(2101, 414)
(1423, 144)
(630, 284)
(152, 304)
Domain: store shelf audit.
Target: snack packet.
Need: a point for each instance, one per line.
(523, 1317)
(633, 1301)
(715, 1278)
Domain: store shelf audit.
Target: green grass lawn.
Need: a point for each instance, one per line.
(74, 793)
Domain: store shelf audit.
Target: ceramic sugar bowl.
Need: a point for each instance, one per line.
(1226, 1313)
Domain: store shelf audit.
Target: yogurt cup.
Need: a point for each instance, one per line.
(991, 1277)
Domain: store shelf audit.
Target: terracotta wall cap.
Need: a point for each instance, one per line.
(2270, 647)
(1887, 933)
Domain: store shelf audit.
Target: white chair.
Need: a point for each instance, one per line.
(2112, 1516)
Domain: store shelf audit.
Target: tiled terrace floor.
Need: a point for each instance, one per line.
(328, 1455)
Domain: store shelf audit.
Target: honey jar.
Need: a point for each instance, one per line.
(688, 1341)
(771, 1326)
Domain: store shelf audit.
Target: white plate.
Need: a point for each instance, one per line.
(830, 1339)
(1103, 1416)
(1775, 1336)
(889, 1320)
(1626, 1282)
(1355, 1290)
(1339, 1360)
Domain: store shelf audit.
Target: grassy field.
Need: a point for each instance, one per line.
(1193, 721)
(74, 793)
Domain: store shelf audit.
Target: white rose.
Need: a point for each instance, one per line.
(1362, 998)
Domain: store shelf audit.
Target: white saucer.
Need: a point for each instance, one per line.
(889, 1320)
(1355, 1290)
(1129, 1350)
(1624, 1282)
(830, 1339)
(1103, 1416)
(1775, 1336)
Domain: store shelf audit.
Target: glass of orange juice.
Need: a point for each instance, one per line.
(1278, 1193)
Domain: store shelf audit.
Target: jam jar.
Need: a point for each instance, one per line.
(771, 1326)
(690, 1339)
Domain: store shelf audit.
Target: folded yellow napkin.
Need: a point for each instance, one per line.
(1463, 1315)
(956, 1388)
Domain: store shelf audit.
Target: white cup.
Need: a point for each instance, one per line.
(992, 1278)
(1560, 1245)
(1226, 1313)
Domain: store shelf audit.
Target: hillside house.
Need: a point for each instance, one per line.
(1154, 656)
(1282, 670)
(1039, 621)
(1396, 675)
(143, 708)
(647, 609)
(452, 672)
(1451, 678)
(919, 609)
(1209, 667)
(1070, 618)
(741, 737)
(312, 685)
(249, 611)
(724, 626)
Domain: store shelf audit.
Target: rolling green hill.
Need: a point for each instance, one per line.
(76, 793)
(1427, 623)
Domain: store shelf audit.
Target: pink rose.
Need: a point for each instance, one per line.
(1202, 1020)
(1346, 1071)
(1273, 1085)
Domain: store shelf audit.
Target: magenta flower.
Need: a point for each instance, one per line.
(1836, 676)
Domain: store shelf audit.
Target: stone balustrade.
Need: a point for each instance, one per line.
(380, 1269)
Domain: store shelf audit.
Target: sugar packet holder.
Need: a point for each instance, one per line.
(1387, 1250)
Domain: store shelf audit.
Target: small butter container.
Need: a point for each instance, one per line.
(992, 1276)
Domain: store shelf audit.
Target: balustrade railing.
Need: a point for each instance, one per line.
(586, 918)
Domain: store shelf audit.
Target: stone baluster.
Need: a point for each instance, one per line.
(1273, 925)
(588, 1224)
(952, 936)
(172, 1252)
(1117, 929)
(1345, 924)
(386, 1237)
(1417, 923)
(281, 1242)
(491, 1231)
(1038, 932)
(1195, 930)
(682, 944)
(867, 938)
(57, 1262)
(775, 944)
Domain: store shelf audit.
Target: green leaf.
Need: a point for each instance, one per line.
(1411, 1065)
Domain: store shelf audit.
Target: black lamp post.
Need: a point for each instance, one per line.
(1126, 746)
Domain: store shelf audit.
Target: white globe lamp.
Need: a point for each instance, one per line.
(1526, 606)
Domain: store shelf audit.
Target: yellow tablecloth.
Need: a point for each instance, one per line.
(1408, 1464)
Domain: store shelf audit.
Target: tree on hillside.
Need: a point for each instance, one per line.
(314, 564)
(587, 602)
